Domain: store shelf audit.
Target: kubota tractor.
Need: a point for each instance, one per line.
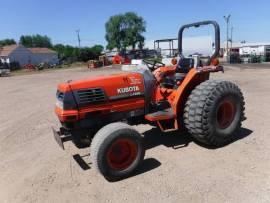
(100, 111)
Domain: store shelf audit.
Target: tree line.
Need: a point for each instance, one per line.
(71, 53)
(29, 41)
(122, 31)
(6, 42)
(65, 52)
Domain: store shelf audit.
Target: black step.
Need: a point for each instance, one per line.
(165, 114)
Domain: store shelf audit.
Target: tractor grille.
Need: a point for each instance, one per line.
(93, 95)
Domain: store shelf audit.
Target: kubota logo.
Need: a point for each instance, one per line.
(128, 89)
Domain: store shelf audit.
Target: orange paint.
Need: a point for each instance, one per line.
(65, 115)
(117, 59)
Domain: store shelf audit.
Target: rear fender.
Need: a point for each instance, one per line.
(192, 79)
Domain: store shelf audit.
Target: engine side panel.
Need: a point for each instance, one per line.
(114, 87)
(109, 94)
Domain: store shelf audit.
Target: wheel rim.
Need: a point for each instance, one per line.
(122, 154)
(225, 114)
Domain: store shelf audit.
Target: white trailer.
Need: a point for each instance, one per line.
(259, 50)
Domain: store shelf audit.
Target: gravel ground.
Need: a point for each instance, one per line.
(176, 169)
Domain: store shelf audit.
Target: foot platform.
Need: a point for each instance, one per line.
(165, 114)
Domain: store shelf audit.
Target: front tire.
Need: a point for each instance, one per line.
(214, 112)
(117, 151)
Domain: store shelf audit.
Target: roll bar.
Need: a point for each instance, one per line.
(196, 25)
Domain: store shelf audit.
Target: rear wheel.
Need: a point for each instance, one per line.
(214, 112)
(117, 151)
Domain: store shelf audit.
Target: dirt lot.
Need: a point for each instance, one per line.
(176, 169)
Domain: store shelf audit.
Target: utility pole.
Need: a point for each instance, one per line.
(227, 20)
(231, 37)
(79, 39)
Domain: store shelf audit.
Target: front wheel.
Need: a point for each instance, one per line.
(214, 112)
(117, 151)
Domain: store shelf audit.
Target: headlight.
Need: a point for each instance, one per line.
(59, 104)
(65, 101)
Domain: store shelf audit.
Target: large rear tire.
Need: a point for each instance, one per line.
(117, 151)
(214, 112)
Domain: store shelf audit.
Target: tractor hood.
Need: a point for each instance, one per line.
(106, 88)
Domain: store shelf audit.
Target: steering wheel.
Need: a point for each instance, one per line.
(153, 64)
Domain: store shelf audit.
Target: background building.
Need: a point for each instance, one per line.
(40, 55)
(23, 55)
(16, 53)
(246, 52)
(259, 49)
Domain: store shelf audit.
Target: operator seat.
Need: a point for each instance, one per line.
(182, 68)
(184, 65)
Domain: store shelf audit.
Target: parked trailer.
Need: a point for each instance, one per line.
(261, 51)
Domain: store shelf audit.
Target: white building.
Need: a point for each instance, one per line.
(233, 48)
(256, 48)
(261, 49)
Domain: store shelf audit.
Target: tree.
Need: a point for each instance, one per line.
(6, 42)
(136, 26)
(60, 49)
(86, 54)
(41, 41)
(26, 40)
(70, 53)
(96, 51)
(125, 30)
(35, 41)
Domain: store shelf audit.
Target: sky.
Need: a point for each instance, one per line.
(59, 19)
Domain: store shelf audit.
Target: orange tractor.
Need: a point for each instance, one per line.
(100, 111)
